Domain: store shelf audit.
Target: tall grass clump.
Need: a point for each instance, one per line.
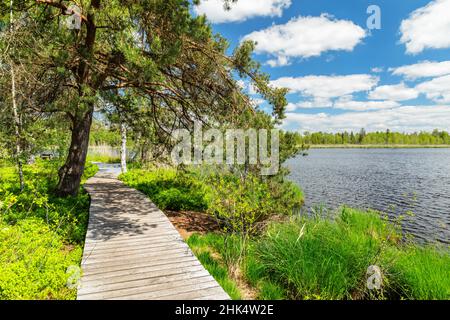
(323, 258)
(419, 273)
(316, 258)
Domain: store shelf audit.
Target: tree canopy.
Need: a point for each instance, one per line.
(168, 64)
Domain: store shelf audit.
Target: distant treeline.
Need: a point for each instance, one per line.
(375, 138)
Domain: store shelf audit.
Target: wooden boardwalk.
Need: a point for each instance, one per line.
(132, 250)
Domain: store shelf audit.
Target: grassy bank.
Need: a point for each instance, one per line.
(40, 235)
(285, 256)
(322, 258)
(197, 190)
(377, 146)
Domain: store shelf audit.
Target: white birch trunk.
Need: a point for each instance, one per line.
(14, 109)
(123, 147)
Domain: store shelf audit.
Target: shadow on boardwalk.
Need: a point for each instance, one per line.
(132, 251)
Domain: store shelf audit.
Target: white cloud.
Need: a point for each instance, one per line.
(423, 69)
(407, 119)
(280, 61)
(398, 92)
(437, 89)
(307, 37)
(311, 104)
(343, 103)
(364, 105)
(427, 27)
(327, 87)
(241, 10)
(377, 70)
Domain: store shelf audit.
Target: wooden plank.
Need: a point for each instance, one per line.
(132, 251)
(143, 282)
(152, 291)
(142, 274)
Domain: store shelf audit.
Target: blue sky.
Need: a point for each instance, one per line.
(341, 75)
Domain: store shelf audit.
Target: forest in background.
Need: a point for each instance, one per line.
(375, 138)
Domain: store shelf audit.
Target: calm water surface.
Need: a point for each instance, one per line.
(391, 180)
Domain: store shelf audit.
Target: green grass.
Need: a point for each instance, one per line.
(34, 260)
(40, 235)
(96, 157)
(421, 273)
(169, 188)
(195, 189)
(203, 247)
(323, 258)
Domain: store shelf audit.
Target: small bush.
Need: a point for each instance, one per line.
(34, 261)
(168, 189)
(239, 203)
(40, 234)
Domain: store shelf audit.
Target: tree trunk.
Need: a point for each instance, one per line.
(14, 109)
(71, 172)
(123, 148)
(16, 128)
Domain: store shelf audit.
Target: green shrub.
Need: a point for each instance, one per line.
(239, 203)
(168, 188)
(34, 260)
(40, 234)
(69, 216)
(287, 197)
(270, 291)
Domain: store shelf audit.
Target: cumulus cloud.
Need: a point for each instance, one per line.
(306, 37)
(241, 10)
(347, 104)
(343, 103)
(327, 87)
(427, 27)
(280, 61)
(398, 92)
(407, 119)
(377, 70)
(437, 89)
(423, 69)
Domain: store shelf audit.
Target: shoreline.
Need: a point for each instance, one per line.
(377, 146)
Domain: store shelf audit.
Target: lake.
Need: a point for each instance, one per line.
(390, 180)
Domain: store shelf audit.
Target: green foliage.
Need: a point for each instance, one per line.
(102, 158)
(239, 203)
(34, 260)
(102, 135)
(40, 235)
(169, 188)
(420, 273)
(68, 216)
(320, 257)
(375, 138)
(203, 247)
